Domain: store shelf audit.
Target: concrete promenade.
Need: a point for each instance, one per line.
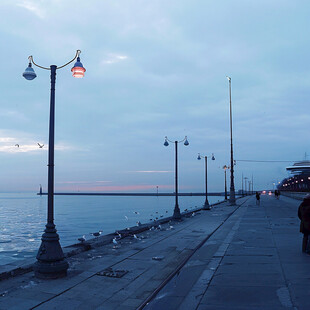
(243, 257)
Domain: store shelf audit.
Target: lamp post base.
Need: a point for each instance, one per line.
(206, 205)
(51, 263)
(232, 197)
(50, 270)
(176, 213)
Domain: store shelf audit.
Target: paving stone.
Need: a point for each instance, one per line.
(249, 268)
(213, 307)
(246, 279)
(242, 296)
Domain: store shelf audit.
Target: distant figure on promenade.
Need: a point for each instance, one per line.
(276, 193)
(304, 216)
(257, 198)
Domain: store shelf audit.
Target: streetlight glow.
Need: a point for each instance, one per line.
(78, 69)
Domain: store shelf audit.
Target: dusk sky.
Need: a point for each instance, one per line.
(153, 69)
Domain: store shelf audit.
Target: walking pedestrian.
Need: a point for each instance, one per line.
(276, 193)
(304, 216)
(257, 198)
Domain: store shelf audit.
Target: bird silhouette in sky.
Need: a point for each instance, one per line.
(40, 145)
(17, 145)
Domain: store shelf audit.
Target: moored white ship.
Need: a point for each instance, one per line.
(299, 180)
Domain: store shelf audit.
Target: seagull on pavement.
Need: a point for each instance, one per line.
(82, 239)
(97, 233)
(135, 237)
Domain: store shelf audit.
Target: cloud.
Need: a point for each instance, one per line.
(21, 142)
(33, 7)
(113, 58)
(82, 182)
(6, 139)
(115, 188)
(150, 171)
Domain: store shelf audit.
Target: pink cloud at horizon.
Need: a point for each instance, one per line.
(114, 188)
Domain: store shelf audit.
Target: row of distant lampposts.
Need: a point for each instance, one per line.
(51, 262)
(232, 197)
(249, 183)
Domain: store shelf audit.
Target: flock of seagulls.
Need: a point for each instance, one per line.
(118, 237)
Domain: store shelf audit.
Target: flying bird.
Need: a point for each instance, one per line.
(40, 145)
(17, 145)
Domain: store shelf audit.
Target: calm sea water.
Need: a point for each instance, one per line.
(23, 218)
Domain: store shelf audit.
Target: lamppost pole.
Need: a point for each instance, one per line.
(225, 168)
(206, 204)
(51, 262)
(232, 198)
(176, 212)
(245, 181)
(242, 185)
(51, 143)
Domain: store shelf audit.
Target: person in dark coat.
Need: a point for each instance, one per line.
(304, 216)
(257, 198)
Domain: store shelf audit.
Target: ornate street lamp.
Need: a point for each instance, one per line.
(176, 212)
(232, 198)
(51, 262)
(206, 204)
